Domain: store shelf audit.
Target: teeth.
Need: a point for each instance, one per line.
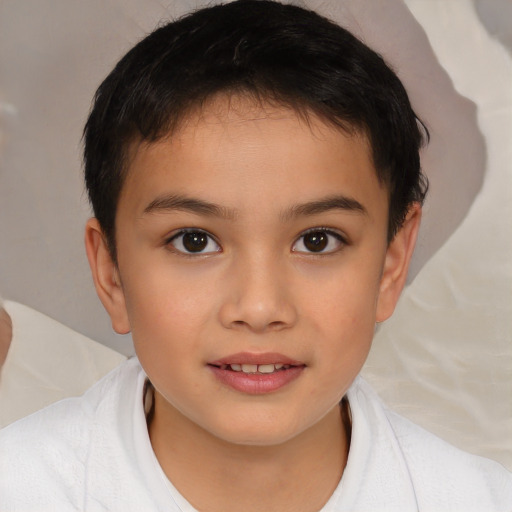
(255, 368)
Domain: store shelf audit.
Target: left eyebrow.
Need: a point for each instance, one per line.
(172, 202)
(324, 205)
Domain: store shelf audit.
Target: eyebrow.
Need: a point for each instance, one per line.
(336, 202)
(174, 202)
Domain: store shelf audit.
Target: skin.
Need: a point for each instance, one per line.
(5, 335)
(257, 288)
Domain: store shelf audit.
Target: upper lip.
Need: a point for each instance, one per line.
(253, 358)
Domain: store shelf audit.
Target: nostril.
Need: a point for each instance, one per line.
(276, 325)
(272, 326)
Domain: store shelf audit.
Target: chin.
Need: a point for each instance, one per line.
(256, 433)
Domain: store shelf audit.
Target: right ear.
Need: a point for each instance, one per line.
(106, 276)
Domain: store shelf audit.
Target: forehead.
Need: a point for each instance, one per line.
(237, 152)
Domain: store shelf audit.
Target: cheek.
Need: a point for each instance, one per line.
(164, 286)
(345, 296)
(165, 305)
(343, 314)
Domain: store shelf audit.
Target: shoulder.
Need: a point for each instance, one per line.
(44, 456)
(442, 473)
(442, 477)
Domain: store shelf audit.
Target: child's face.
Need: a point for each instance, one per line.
(249, 237)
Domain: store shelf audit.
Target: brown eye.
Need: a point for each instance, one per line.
(194, 242)
(319, 241)
(316, 241)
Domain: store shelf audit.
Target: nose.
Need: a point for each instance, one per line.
(258, 296)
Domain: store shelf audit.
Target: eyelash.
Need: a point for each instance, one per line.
(179, 239)
(178, 242)
(340, 241)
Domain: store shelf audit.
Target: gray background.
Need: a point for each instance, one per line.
(53, 55)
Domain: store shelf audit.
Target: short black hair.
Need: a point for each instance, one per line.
(274, 52)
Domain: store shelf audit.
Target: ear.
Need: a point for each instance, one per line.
(106, 276)
(396, 263)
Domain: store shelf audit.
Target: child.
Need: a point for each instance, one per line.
(255, 179)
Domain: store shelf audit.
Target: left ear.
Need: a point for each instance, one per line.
(396, 263)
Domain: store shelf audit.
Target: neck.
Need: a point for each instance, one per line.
(5, 335)
(298, 475)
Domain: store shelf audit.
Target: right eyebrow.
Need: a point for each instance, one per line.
(174, 202)
(335, 202)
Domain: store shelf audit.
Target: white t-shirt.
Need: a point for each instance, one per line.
(46, 362)
(93, 453)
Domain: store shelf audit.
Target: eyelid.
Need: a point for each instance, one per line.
(341, 238)
(183, 231)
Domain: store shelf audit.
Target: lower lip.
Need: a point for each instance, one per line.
(257, 383)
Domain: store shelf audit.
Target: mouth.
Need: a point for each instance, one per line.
(252, 369)
(256, 373)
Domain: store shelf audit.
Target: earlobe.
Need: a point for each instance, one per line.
(106, 276)
(396, 264)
